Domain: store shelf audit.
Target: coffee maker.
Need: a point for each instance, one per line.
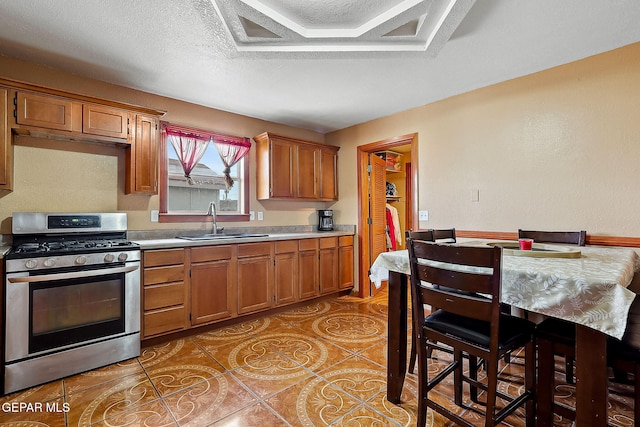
(325, 220)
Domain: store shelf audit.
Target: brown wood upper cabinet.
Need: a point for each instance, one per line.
(105, 121)
(6, 149)
(290, 168)
(27, 109)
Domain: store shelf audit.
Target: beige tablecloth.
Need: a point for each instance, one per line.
(590, 290)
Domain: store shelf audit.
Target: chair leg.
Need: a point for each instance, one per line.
(568, 369)
(636, 403)
(473, 374)
(492, 386)
(457, 378)
(529, 382)
(545, 384)
(412, 358)
(423, 381)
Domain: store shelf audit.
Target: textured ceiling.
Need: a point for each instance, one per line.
(316, 64)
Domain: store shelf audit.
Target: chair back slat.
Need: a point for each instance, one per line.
(426, 235)
(445, 235)
(468, 305)
(469, 281)
(476, 256)
(569, 237)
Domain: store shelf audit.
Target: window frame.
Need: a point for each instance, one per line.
(168, 217)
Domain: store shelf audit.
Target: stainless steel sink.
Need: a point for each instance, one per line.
(221, 236)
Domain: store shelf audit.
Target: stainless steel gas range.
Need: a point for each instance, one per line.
(71, 296)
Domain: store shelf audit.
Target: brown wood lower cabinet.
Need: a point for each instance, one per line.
(190, 287)
(164, 292)
(308, 269)
(328, 265)
(213, 283)
(255, 277)
(286, 271)
(345, 262)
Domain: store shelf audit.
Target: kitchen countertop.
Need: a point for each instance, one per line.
(167, 243)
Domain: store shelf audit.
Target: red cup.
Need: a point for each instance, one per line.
(525, 244)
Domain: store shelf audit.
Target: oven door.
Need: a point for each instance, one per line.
(51, 311)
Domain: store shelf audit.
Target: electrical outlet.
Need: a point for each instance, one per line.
(475, 195)
(423, 215)
(154, 216)
(252, 215)
(260, 216)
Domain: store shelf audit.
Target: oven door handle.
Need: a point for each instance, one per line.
(73, 275)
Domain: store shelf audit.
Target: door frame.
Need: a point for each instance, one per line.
(363, 200)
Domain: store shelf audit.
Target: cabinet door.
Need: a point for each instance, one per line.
(212, 291)
(282, 168)
(308, 160)
(5, 143)
(255, 284)
(308, 273)
(328, 265)
(48, 112)
(142, 157)
(328, 174)
(286, 274)
(105, 121)
(345, 262)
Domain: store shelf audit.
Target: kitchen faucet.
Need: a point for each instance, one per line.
(214, 215)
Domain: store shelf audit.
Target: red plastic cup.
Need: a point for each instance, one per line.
(525, 244)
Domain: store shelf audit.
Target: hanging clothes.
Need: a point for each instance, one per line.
(394, 234)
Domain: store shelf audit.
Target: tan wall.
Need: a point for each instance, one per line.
(559, 149)
(73, 176)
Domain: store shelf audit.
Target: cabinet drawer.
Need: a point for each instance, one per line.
(164, 295)
(345, 241)
(105, 121)
(254, 249)
(156, 275)
(308, 244)
(211, 253)
(286, 246)
(164, 321)
(328, 242)
(163, 257)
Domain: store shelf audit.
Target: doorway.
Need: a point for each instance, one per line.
(369, 225)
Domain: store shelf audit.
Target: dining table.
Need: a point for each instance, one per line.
(588, 287)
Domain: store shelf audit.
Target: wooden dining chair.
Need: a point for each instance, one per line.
(578, 238)
(558, 337)
(464, 282)
(568, 237)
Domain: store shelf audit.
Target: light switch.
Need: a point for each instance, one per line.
(252, 215)
(154, 215)
(475, 195)
(260, 216)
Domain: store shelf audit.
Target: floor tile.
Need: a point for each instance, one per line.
(208, 401)
(318, 364)
(258, 415)
(109, 399)
(312, 402)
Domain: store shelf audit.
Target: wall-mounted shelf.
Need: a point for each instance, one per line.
(393, 160)
(393, 198)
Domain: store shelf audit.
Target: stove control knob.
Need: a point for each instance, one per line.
(32, 263)
(123, 257)
(109, 258)
(50, 262)
(81, 260)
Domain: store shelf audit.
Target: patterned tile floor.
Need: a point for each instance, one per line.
(321, 364)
